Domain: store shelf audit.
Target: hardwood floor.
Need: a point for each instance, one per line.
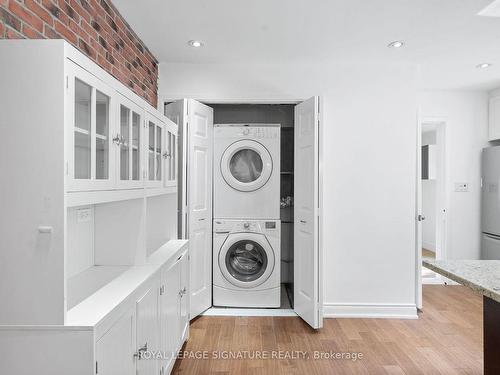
(428, 253)
(447, 339)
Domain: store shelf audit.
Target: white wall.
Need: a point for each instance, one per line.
(369, 142)
(466, 113)
(429, 200)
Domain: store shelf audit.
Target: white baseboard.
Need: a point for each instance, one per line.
(234, 311)
(330, 310)
(387, 311)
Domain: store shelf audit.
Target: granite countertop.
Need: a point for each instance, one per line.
(483, 276)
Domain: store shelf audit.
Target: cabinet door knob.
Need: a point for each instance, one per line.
(117, 140)
(138, 354)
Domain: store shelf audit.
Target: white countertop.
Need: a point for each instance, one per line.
(483, 276)
(97, 306)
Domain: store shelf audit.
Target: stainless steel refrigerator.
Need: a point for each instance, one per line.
(490, 223)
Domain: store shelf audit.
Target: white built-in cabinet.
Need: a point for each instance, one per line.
(91, 270)
(147, 337)
(115, 139)
(494, 118)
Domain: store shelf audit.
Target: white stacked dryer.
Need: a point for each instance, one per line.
(246, 241)
(246, 171)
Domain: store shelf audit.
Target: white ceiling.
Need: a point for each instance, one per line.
(445, 37)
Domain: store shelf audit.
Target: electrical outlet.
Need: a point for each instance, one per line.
(461, 187)
(83, 215)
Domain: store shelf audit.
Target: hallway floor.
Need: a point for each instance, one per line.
(447, 339)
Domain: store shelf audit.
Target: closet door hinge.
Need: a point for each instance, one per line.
(67, 82)
(96, 367)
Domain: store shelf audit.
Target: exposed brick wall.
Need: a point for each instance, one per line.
(93, 26)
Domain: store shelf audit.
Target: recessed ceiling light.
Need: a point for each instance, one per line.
(195, 43)
(483, 65)
(396, 44)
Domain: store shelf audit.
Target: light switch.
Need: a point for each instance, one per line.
(83, 215)
(461, 187)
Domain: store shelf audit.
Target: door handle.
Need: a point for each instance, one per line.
(201, 219)
(420, 218)
(303, 222)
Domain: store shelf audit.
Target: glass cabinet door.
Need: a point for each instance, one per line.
(102, 136)
(129, 141)
(136, 146)
(82, 130)
(90, 159)
(170, 155)
(155, 149)
(124, 142)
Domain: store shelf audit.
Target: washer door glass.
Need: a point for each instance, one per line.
(246, 261)
(246, 165)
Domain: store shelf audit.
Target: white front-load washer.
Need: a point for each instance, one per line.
(247, 171)
(246, 263)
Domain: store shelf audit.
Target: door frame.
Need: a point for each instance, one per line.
(162, 100)
(442, 199)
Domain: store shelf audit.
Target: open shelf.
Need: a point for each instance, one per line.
(81, 131)
(102, 137)
(87, 282)
(82, 198)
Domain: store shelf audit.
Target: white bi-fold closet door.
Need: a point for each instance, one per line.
(195, 121)
(307, 290)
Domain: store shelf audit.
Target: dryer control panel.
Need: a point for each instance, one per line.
(259, 132)
(238, 226)
(250, 131)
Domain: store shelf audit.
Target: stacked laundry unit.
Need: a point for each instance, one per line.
(246, 239)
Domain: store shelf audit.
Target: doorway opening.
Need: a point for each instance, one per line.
(233, 263)
(432, 195)
(282, 115)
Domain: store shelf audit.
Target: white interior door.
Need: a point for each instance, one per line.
(177, 112)
(307, 270)
(199, 200)
(195, 121)
(419, 219)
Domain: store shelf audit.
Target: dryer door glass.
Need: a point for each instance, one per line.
(246, 165)
(246, 260)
